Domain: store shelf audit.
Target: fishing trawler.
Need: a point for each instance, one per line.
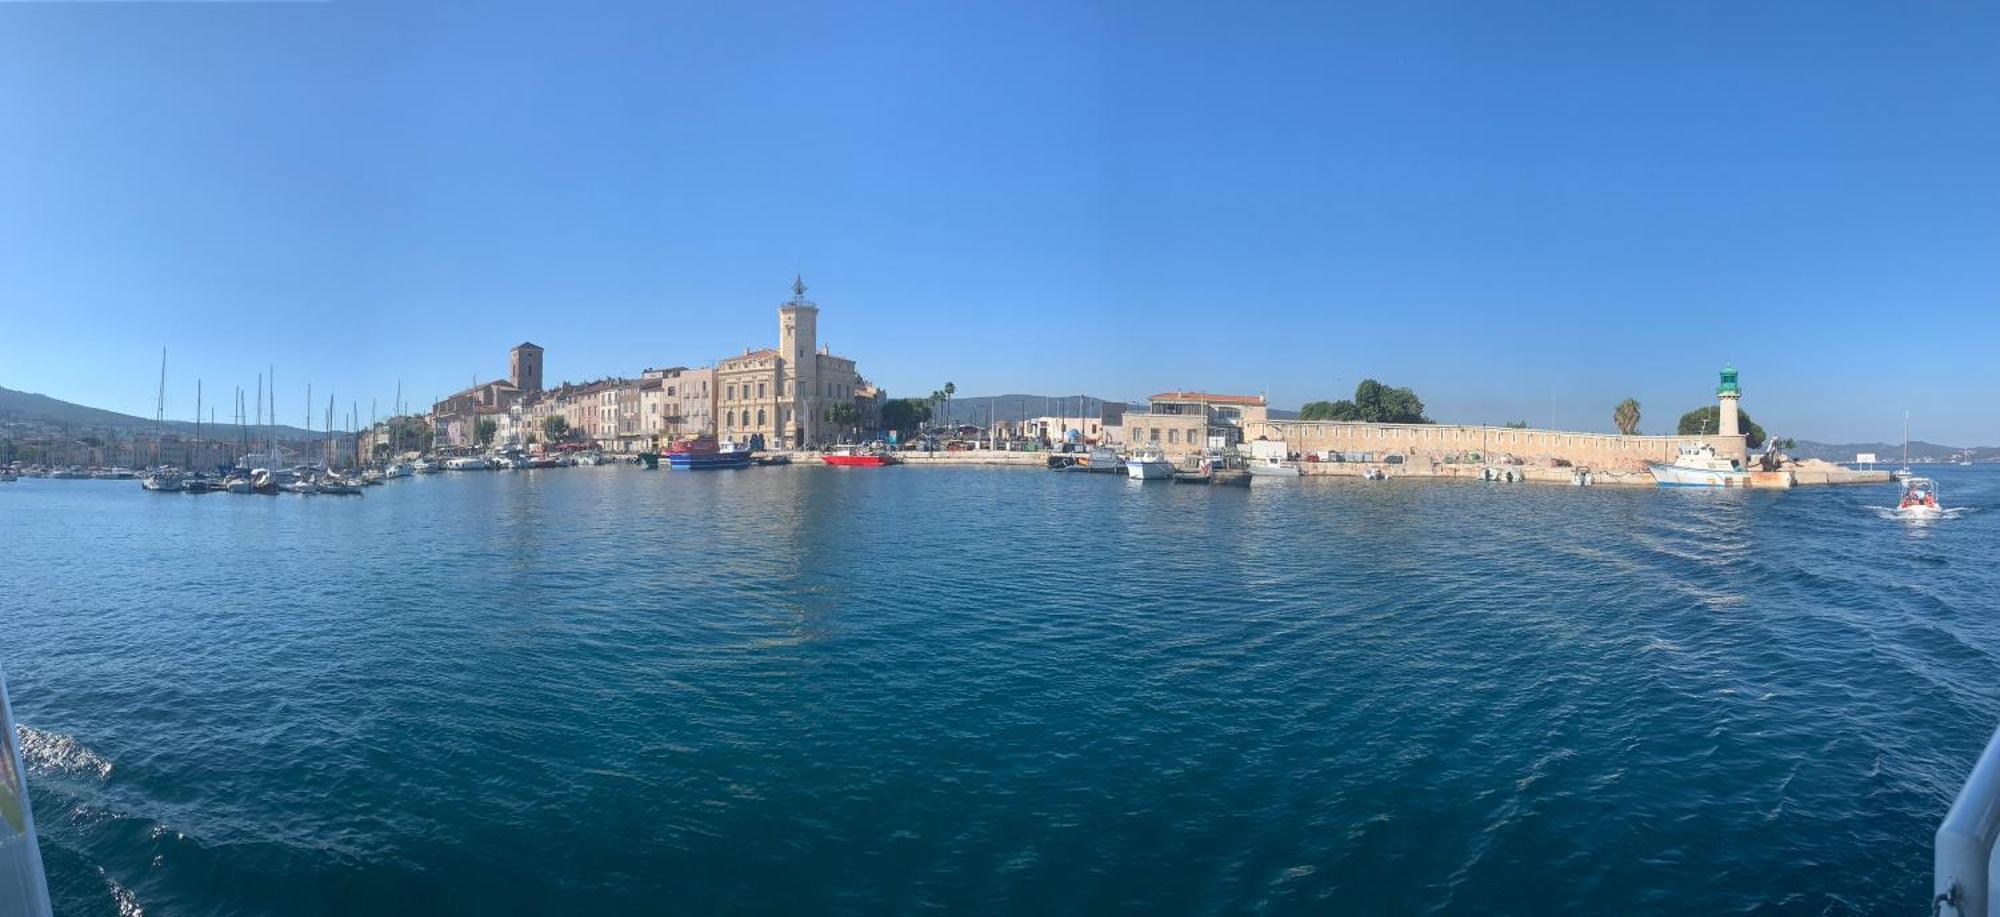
(1699, 466)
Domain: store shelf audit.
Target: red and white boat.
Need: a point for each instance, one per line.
(859, 456)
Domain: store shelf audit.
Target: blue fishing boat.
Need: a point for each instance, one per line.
(703, 452)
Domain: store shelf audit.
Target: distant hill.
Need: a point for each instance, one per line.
(978, 409)
(29, 407)
(1920, 451)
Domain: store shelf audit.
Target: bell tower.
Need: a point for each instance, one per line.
(524, 367)
(798, 342)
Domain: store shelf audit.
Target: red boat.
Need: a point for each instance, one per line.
(859, 456)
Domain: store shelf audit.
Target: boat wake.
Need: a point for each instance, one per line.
(1890, 512)
(55, 753)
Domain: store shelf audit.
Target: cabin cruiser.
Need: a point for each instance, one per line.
(340, 485)
(425, 466)
(465, 463)
(1149, 463)
(238, 484)
(1104, 460)
(1699, 466)
(398, 470)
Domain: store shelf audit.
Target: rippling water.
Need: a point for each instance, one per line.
(866, 691)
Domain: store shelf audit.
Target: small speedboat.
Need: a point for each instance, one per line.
(303, 486)
(465, 463)
(1920, 499)
(1149, 463)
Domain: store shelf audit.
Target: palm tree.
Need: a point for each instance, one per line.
(1626, 416)
(949, 390)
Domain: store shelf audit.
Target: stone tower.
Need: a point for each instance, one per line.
(798, 342)
(524, 368)
(1728, 422)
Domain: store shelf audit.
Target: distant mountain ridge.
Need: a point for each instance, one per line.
(1889, 453)
(979, 409)
(31, 407)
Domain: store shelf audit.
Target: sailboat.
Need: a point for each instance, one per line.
(1904, 473)
(161, 479)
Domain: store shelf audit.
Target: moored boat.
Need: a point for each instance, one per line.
(703, 453)
(1148, 463)
(466, 463)
(162, 481)
(1272, 468)
(858, 456)
(1699, 466)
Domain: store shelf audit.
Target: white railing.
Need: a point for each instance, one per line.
(1962, 880)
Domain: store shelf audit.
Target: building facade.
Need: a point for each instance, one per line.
(784, 397)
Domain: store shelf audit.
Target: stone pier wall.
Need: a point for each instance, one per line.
(1441, 443)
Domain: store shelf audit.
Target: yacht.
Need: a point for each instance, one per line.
(398, 470)
(465, 463)
(1699, 466)
(424, 466)
(1149, 463)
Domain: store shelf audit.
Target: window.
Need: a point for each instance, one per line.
(670, 391)
(729, 420)
(760, 417)
(1153, 435)
(760, 389)
(1173, 436)
(732, 394)
(746, 418)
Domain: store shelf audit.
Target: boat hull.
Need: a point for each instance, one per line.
(1149, 470)
(1677, 476)
(707, 461)
(1273, 471)
(857, 461)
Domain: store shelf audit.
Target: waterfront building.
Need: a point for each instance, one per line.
(784, 396)
(1184, 423)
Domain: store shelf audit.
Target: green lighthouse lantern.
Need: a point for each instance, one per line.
(1728, 386)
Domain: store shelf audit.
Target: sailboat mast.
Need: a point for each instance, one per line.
(160, 407)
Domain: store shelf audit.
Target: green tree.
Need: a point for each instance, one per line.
(845, 415)
(1705, 421)
(1516, 425)
(484, 430)
(905, 414)
(949, 391)
(1626, 416)
(1373, 403)
(555, 428)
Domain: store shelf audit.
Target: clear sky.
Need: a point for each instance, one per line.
(1524, 211)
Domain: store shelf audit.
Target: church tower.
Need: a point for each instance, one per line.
(524, 368)
(798, 342)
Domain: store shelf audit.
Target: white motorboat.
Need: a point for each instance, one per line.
(1699, 466)
(465, 463)
(302, 486)
(162, 481)
(425, 466)
(1920, 499)
(1272, 468)
(238, 484)
(398, 470)
(338, 485)
(1149, 463)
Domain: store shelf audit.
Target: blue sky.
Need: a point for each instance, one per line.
(1506, 206)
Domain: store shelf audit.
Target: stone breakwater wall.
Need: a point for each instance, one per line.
(1426, 445)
